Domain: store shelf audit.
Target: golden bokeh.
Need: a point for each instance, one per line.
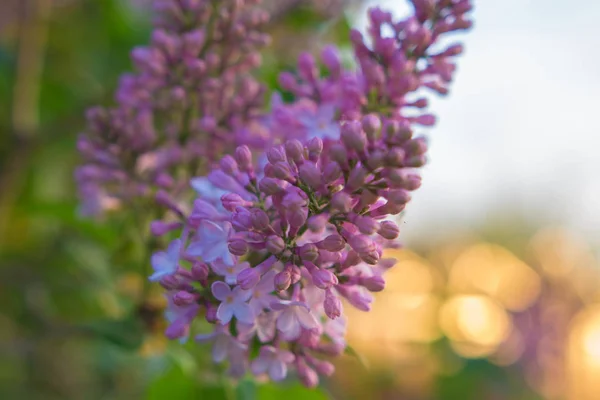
(493, 270)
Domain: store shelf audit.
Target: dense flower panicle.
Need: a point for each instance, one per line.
(295, 211)
(189, 94)
(303, 226)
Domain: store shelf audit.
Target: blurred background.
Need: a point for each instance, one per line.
(496, 294)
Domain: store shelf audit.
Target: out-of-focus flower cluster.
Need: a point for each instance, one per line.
(190, 98)
(295, 214)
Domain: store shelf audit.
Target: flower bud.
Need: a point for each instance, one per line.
(295, 274)
(339, 154)
(416, 161)
(211, 314)
(248, 278)
(275, 244)
(317, 223)
(398, 196)
(324, 368)
(177, 329)
(356, 178)
(389, 230)
(184, 298)
(310, 174)
(341, 201)
(352, 259)
(371, 124)
(283, 280)
(374, 283)
(332, 172)
(315, 148)
(260, 220)
(353, 136)
(169, 282)
(297, 217)
(333, 242)
(394, 157)
(366, 225)
(375, 160)
(243, 156)
(294, 150)
(270, 186)
(238, 247)
(323, 278)
(287, 81)
(276, 154)
(331, 59)
(192, 42)
(307, 375)
(359, 298)
(231, 201)
(228, 165)
(332, 304)
(199, 271)
(282, 170)
(307, 67)
(308, 252)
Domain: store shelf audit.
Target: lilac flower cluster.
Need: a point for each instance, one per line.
(190, 98)
(280, 235)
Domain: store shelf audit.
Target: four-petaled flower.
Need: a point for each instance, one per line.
(272, 360)
(224, 344)
(165, 262)
(320, 122)
(229, 271)
(233, 303)
(210, 242)
(295, 316)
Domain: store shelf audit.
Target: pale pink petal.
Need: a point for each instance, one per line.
(286, 320)
(306, 319)
(293, 332)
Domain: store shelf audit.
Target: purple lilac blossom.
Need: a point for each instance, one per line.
(189, 94)
(293, 221)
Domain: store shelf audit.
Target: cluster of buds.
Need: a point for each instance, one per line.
(278, 237)
(294, 205)
(190, 95)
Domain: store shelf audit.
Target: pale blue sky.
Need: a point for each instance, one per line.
(521, 128)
